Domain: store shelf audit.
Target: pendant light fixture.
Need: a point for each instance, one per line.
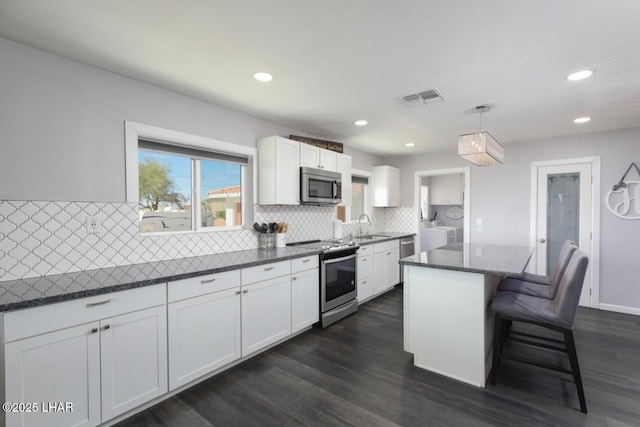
(481, 148)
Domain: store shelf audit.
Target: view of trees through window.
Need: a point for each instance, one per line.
(166, 199)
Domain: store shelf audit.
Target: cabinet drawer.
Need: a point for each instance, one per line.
(305, 263)
(38, 320)
(365, 250)
(365, 263)
(265, 272)
(385, 246)
(201, 285)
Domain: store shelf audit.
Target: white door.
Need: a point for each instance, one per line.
(305, 299)
(204, 335)
(134, 359)
(564, 211)
(60, 366)
(266, 313)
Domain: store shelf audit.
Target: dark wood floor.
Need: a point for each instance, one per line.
(356, 373)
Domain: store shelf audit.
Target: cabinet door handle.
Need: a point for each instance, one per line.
(245, 291)
(364, 259)
(268, 268)
(105, 327)
(93, 304)
(388, 253)
(207, 281)
(94, 330)
(306, 260)
(294, 278)
(238, 292)
(364, 281)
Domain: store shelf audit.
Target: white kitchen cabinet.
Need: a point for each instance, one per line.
(386, 186)
(305, 293)
(446, 189)
(104, 354)
(278, 171)
(344, 168)
(318, 158)
(204, 334)
(365, 279)
(436, 237)
(266, 312)
(59, 366)
(386, 270)
(133, 349)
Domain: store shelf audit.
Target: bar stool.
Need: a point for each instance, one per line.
(557, 314)
(539, 285)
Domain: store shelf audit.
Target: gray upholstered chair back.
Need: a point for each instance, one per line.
(563, 260)
(565, 303)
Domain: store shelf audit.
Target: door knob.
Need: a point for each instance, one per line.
(542, 240)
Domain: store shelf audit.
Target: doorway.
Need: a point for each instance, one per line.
(565, 197)
(423, 213)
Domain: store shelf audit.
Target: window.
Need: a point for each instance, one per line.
(360, 198)
(185, 183)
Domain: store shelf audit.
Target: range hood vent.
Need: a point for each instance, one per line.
(426, 97)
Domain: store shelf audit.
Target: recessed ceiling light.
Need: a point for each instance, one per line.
(360, 123)
(582, 120)
(261, 76)
(410, 144)
(580, 75)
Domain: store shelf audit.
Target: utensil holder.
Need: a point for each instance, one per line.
(281, 240)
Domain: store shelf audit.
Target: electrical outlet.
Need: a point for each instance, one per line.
(93, 224)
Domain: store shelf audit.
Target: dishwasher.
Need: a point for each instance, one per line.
(407, 248)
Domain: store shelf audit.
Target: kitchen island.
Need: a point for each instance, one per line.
(448, 323)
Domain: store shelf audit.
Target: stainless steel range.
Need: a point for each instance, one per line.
(338, 281)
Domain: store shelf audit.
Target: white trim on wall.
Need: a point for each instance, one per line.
(595, 217)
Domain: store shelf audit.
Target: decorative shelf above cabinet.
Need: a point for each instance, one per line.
(386, 186)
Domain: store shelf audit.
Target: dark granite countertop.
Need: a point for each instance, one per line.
(32, 292)
(499, 260)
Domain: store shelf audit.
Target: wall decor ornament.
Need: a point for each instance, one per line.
(623, 200)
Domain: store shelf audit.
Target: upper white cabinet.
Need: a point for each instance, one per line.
(278, 171)
(446, 189)
(344, 168)
(316, 157)
(386, 186)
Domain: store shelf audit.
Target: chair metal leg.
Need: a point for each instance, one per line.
(497, 345)
(575, 368)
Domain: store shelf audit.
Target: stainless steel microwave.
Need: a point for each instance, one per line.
(320, 187)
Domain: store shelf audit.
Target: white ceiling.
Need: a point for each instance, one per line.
(336, 61)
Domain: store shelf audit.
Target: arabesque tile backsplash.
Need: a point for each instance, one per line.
(39, 238)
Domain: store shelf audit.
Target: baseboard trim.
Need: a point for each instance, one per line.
(620, 309)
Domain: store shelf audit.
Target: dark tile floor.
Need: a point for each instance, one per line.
(356, 373)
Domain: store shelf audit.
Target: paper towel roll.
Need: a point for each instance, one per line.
(337, 229)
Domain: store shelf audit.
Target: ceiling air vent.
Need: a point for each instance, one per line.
(426, 97)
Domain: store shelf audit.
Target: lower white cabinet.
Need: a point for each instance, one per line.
(204, 335)
(133, 349)
(365, 279)
(386, 270)
(60, 366)
(305, 298)
(102, 368)
(266, 313)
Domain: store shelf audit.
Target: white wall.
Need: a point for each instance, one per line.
(62, 126)
(500, 195)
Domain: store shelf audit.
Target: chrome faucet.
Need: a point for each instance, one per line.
(360, 223)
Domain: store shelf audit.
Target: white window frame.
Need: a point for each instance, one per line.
(368, 198)
(135, 131)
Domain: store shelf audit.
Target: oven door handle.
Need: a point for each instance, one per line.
(344, 258)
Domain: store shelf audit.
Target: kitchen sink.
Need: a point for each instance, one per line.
(373, 236)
